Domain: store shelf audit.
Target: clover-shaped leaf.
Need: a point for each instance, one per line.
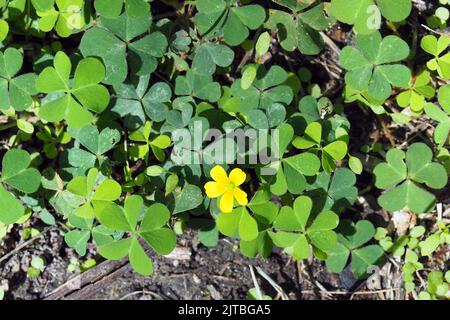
(372, 65)
(210, 55)
(289, 174)
(17, 174)
(216, 17)
(157, 145)
(198, 85)
(78, 238)
(336, 191)
(4, 29)
(96, 191)
(419, 90)
(238, 223)
(297, 229)
(441, 132)
(11, 209)
(267, 88)
(97, 145)
(351, 238)
(65, 18)
(261, 246)
(15, 91)
(334, 151)
(444, 97)
(70, 101)
(363, 14)
(116, 41)
(437, 46)
(301, 29)
(43, 5)
(135, 100)
(419, 169)
(113, 8)
(122, 219)
(152, 229)
(189, 198)
(264, 211)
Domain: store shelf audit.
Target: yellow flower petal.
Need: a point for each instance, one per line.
(237, 176)
(219, 174)
(226, 202)
(240, 196)
(215, 189)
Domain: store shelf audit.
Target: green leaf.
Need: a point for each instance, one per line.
(163, 240)
(337, 258)
(407, 195)
(266, 89)
(355, 164)
(238, 223)
(113, 217)
(116, 250)
(258, 119)
(248, 228)
(155, 218)
(419, 168)
(153, 230)
(316, 229)
(43, 5)
(419, 159)
(301, 29)
(15, 90)
(210, 55)
(98, 143)
(326, 220)
(263, 43)
(306, 163)
(108, 190)
(248, 76)
(16, 173)
(444, 97)
(113, 8)
(11, 209)
(86, 89)
(189, 198)
(372, 66)
(312, 137)
(215, 17)
(118, 45)
(66, 17)
(198, 85)
(392, 172)
(337, 150)
(429, 245)
(133, 208)
(363, 16)
(139, 260)
(442, 130)
(4, 29)
(78, 240)
(365, 258)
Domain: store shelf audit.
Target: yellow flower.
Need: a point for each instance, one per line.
(226, 187)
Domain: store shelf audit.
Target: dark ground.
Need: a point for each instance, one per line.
(193, 272)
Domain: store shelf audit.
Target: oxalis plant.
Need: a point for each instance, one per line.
(279, 126)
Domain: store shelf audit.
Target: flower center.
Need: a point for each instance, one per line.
(230, 186)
